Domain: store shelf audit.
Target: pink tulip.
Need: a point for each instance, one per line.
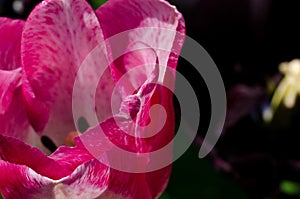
(65, 43)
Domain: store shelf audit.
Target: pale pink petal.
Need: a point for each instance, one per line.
(58, 36)
(93, 89)
(87, 181)
(10, 41)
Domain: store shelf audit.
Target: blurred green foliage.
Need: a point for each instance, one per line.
(96, 3)
(290, 188)
(196, 178)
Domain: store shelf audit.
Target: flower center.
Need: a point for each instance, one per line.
(69, 140)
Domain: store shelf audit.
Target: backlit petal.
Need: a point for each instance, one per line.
(57, 38)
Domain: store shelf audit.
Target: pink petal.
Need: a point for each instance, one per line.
(121, 131)
(122, 184)
(71, 157)
(58, 36)
(126, 184)
(154, 30)
(12, 110)
(10, 40)
(154, 40)
(87, 181)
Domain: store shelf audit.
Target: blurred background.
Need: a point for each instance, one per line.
(257, 156)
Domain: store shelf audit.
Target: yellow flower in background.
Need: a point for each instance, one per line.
(287, 90)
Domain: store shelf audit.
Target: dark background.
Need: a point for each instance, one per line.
(247, 39)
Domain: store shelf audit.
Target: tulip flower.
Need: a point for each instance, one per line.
(64, 46)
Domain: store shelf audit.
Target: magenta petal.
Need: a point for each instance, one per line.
(122, 184)
(126, 184)
(89, 180)
(57, 37)
(13, 118)
(135, 186)
(10, 40)
(70, 157)
(9, 82)
(22, 182)
(74, 173)
(17, 152)
(12, 110)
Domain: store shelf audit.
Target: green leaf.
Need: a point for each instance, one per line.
(96, 3)
(165, 196)
(290, 188)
